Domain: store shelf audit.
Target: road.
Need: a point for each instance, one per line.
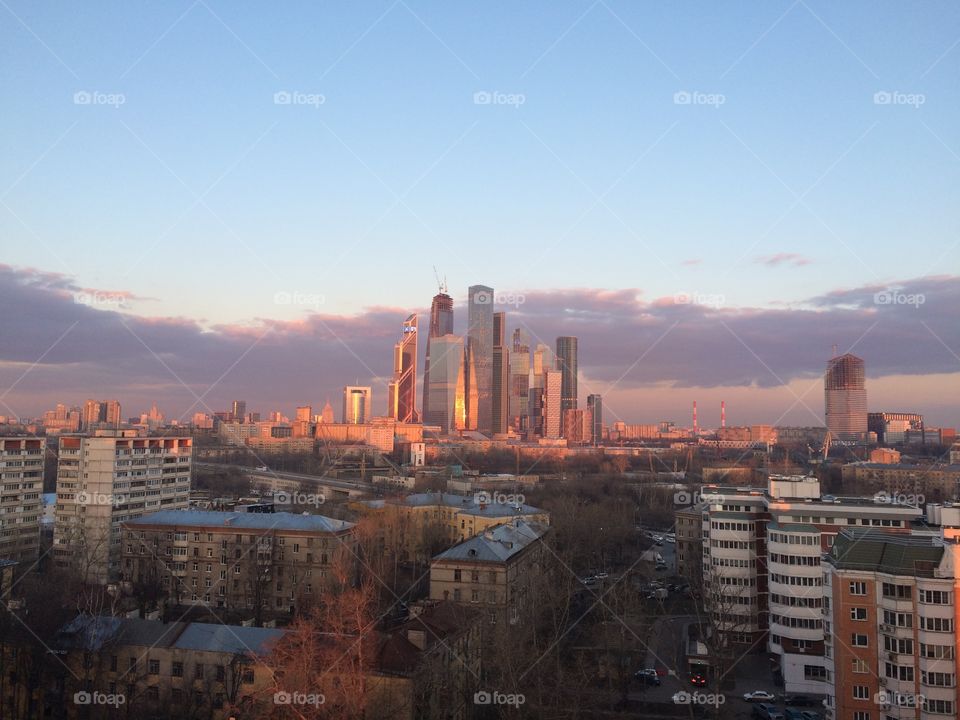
(333, 486)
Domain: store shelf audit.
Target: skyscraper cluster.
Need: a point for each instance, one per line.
(482, 382)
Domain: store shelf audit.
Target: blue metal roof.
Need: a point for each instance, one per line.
(243, 521)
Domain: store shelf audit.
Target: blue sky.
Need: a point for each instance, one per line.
(507, 194)
(785, 179)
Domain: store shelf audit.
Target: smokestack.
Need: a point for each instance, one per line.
(694, 417)
(723, 413)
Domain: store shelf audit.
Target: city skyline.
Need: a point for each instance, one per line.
(676, 342)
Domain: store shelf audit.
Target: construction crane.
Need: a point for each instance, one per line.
(441, 283)
(823, 452)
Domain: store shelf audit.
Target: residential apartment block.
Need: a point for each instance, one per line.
(267, 563)
(494, 570)
(107, 479)
(761, 564)
(21, 489)
(891, 635)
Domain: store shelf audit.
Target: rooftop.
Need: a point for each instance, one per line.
(468, 504)
(93, 632)
(242, 520)
(497, 544)
(893, 553)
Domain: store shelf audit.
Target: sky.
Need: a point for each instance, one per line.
(207, 200)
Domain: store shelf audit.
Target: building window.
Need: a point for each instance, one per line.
(858, 588)
(860, 666)
(248, 676)
(198, 671)
(153, 667)
(858, 613)
(458, 575)
(861, 715)
(176, 670)
(221, 673)
(861, 692)
(857, 640)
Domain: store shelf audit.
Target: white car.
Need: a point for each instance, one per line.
(672, 540)
(759, 696)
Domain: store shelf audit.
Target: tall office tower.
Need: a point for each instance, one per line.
(519, 379)
(441, 324)
(105, 480)
(480, 351)
(402, 392)
(845, 397)
(21, 487)
(567, 365)
(356, 405)
(239, 411)
(566, 359)
(440, 388)
(111, 412)
(501, 374)
(595, 405)
(552, 404)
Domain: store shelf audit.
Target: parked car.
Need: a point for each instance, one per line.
(661, 566)
(601, 576)
(658, 540)
(811, 715)
(792, 713)
(759, 696)
(766, 711)
(802, 700)
(672, 540)
(698, 680)
(648, 676)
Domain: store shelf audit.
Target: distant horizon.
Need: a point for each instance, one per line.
(206, 200)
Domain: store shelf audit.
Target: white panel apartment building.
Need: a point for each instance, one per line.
(21, 487)
(105, 480)
(762, 551)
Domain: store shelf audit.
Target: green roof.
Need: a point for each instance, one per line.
(893, 553)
